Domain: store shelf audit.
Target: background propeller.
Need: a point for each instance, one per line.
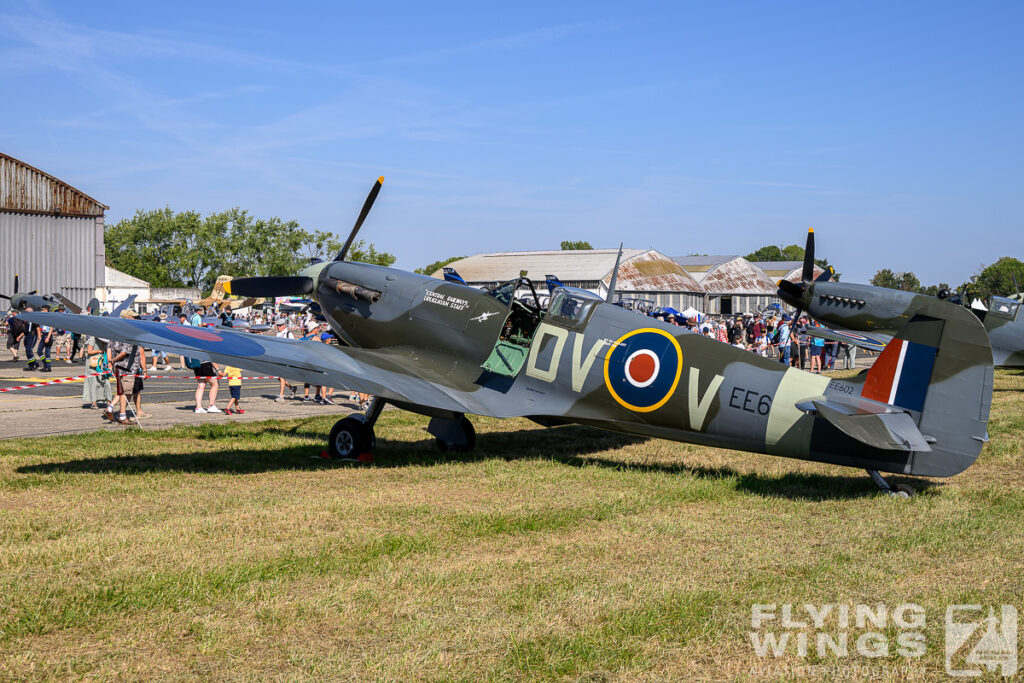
(13, 294)
(793, 292)
(298, 285)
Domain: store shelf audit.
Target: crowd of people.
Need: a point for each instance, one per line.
(117, 370)
(775, 335)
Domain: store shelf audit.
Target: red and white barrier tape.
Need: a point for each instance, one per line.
(59, 380)
(76, 378)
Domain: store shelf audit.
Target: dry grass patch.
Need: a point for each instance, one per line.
(227, 551)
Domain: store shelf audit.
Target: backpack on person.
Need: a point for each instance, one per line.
(192, 363)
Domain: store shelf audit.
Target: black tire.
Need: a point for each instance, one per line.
(906, 489)
(350, 438)
(469, 434)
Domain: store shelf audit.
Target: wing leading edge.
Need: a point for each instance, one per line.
(358, 369)
(871, 342)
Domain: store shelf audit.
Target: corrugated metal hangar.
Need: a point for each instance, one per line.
(643, 273)
(718, 285)
(733, 284)
(51, 234)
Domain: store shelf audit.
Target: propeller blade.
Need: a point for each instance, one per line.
(34, 291)
(367, 205)
(827, 275)
(808, 272)
(288, 285)
(4, 296)
(15, 283)
(615, 276)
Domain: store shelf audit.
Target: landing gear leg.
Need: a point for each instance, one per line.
(373, 412)
(352, 438)
(901, 490)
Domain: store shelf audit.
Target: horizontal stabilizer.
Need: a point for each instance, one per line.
(872, 341)
(874, 424)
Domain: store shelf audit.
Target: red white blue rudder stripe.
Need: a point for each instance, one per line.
(901, 375)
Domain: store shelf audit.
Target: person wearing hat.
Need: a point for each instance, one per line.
(281, 331)
(784, 335)
(182, 320)
(312, 334)
(328, 399)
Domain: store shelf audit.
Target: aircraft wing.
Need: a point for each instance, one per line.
(362, 370)
(870, 341)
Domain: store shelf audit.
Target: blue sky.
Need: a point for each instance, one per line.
(893, 128)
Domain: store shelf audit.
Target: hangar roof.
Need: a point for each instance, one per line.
(702, 262)
(26, 189)
(728, 274)
(640, 269)
(785, 270)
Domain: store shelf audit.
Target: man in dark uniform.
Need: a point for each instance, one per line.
(30, 338)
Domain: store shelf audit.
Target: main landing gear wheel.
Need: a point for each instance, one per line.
(460, 437)
(352, 439)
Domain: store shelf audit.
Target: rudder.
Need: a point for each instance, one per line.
(939, 369)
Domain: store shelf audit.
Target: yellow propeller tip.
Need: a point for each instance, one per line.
(381, 180)
(227, 287)
(810, 229)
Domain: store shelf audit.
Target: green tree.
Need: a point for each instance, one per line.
(792, 252)
(933, 290)
(364, 252)
(906, 281)
(768, 253)
(569, 245)
(432, 268)
(1003, 278)
(172, 249)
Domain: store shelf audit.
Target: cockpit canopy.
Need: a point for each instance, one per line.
(1003, 307)
(572, 304)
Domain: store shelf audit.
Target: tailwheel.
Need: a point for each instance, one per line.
(906, 489)
(898, 491)
(352, 440)
(459, 435)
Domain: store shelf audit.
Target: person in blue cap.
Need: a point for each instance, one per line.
(784, 350)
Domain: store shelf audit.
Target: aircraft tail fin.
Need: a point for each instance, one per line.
(218, 293)
(938, 370)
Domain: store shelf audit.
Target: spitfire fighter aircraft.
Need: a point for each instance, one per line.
(218, 298)
(445, 350)
(869, 317)
(20, 301)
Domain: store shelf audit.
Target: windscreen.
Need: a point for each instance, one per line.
(504, 292)
(572, 307)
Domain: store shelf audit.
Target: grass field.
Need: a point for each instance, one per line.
(568, 553)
